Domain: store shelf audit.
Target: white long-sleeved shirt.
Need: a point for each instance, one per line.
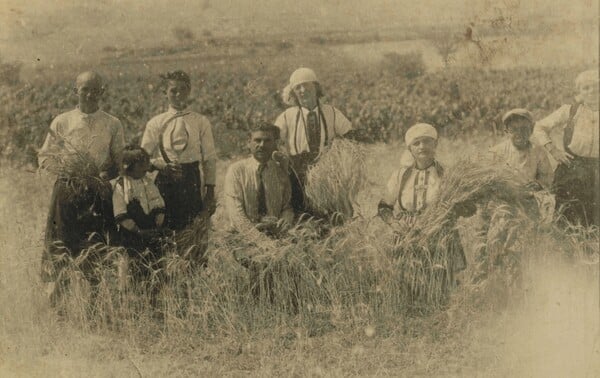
(586, 131)
(531, 164)
(241, 194)
(293, 128)
(98, 134)
(187, 137)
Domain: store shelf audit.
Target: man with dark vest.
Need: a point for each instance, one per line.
(576, 179)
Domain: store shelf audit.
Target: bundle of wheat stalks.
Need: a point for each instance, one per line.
(363, 270)
(427, 250)
(79, 172)
(336, 179)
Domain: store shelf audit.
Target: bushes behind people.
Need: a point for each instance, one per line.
(460, 102)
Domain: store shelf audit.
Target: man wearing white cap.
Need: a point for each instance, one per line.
(307, 127)
(576, 179)
(413, 188)
(528, 161)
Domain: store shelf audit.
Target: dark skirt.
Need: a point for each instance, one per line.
(76, 220)
(577, 189)
(183, 197)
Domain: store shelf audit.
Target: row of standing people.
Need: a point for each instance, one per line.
(260, 189)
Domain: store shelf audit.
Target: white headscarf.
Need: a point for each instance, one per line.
(420, 130)
(301, 75)
(414, 132)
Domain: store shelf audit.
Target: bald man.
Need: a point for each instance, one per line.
(77, 219)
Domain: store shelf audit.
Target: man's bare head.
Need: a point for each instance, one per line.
(89, 78)
(88, 88)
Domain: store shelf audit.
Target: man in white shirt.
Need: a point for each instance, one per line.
(528, 161)
(576, 179)
(307, 127)
(257, 191)
(78, 218)
(178, 141)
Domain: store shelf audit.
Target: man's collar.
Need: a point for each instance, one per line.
(527, 148)
(256, 163)
(85, 115)
(174, 111)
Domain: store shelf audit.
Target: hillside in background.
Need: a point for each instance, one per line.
(40, 33)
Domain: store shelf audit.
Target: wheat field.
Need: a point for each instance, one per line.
(336, 307)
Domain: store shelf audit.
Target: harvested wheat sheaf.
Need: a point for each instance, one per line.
(336, 179)
(363, 270)
(79, 172)
(428, 250)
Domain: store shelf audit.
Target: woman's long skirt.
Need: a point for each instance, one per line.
(183, 197)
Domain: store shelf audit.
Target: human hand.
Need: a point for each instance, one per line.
(385, 212)
(104, 175)
(560, 155)
(159, 220)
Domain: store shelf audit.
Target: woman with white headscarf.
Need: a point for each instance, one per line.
(414, 187)
(576, 179)
(307, 127)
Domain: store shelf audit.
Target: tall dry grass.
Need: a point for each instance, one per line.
(346, 284)
(360, 273)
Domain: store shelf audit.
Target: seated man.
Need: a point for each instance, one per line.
(529, 162)
(257, 193)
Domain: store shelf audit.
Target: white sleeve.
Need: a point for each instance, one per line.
(150, 143)
(51, 147)
(543, 128)
(281, 122)
(393, 188)
(342, 124)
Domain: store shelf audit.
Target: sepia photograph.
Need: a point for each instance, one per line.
(313, 188)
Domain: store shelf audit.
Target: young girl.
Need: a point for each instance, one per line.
(138, 207)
